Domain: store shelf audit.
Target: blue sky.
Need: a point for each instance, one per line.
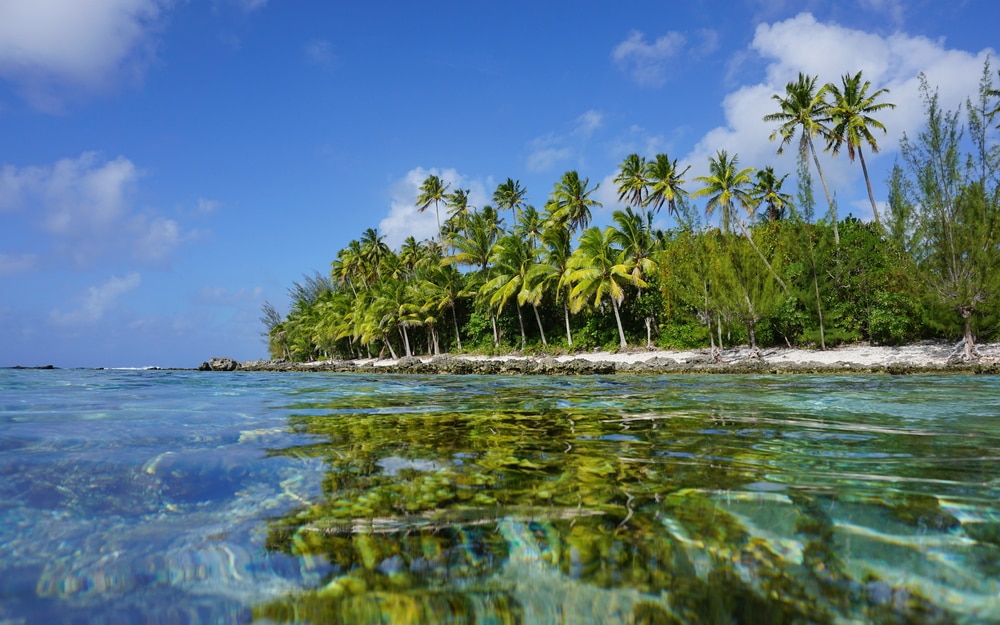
(168, 166)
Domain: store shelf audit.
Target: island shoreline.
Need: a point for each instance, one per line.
(926, 357)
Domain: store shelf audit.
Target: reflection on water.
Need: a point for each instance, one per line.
(355, 499)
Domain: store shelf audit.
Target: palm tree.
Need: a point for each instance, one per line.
(631, 181)
(530, 225)
(728, 185)
(633, 236)
(374, 250)
(432, 191)
(553, 269)
(767, 192)
(512, 260)
(599, 270)
(458, 207)
(804, 110)
(509, 195)
(571, 201)
(851, 109)
(664, 183)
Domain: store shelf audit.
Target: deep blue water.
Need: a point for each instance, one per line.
(186, 497)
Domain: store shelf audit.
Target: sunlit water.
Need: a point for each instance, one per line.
(184, 497)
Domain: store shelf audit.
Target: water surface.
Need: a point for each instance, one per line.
(184, 497)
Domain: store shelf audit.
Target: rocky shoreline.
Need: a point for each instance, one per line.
(925, 358)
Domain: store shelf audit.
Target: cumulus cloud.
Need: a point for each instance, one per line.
(86, 205)
(49, 45)
(587, 123)
(647, 62)
(98, 300)
(404, 220)
(829, 50)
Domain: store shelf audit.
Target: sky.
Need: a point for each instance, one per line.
(168, 166)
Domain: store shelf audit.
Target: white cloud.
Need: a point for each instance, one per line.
(647, 62)
(547, 151)
(11, 264)
(86, 205)
(404, 220)
(587, 123)
(207, 206)
(828, 50)
(320, 52)
(47, 45)
(98, 300)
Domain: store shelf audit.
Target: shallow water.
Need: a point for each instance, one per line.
(184, 497)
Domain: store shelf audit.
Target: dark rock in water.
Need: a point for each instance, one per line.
(219, 364)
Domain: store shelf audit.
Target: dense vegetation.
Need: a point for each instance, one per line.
(507, 276)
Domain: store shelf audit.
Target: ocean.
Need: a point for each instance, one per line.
(153, 496)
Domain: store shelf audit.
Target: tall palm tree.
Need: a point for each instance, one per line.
(633, 234)
(432, 191)
(374, 250)
(850, 109)
(631, 180)
(571, 201)
(512, 260)
(599, 270)
(458, 207)
(804, 111)
(726, 186)
(553, 269)
(664, 183)
(767, 192)
(530, 225)
(509, 195)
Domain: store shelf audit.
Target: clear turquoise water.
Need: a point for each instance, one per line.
(184, 497)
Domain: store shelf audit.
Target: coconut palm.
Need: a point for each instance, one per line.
(598, 269)
(728, 185)
(432, 191)
(512, 260)
(631, 180)
(851, 108)
(804, 111)
(767, 192)
(509, 195)
(552, 271)
(570, 202)
(664, 184)
(458, 206)
(633, 234)
(530, 225)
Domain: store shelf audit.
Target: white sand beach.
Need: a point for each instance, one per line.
(925, 354)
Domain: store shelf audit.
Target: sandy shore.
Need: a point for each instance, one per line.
(863, 356)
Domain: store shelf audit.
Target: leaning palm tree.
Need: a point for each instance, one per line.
(631, 180)
(726, 186)
(570, 202)
(633, 234)
(512, 261)
(432, 191)
(804, 111)
(598, 269)
(664, 184)
(851, 108)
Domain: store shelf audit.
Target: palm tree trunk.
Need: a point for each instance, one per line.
(496, 333)
(826, 190)
(520, 322)
(649, 332)
(970, 341)
(538, 319)
(868, 183)
(569, 335)
(746, 233)
(406, 339)
(454, 318)
(388, 344)
(618, 320)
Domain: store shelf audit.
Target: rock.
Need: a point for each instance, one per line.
(219, 364)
